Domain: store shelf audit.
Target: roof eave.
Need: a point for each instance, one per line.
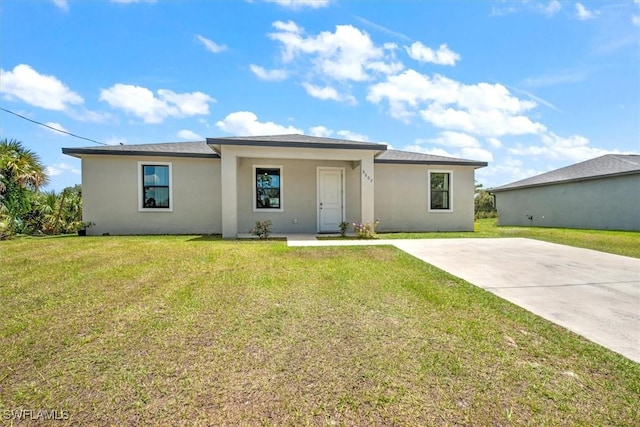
(477, 165)
(326, 145)
(566, 181)
(78, 152)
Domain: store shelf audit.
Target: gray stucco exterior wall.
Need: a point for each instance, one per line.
(299, 194)
(110, 186)
(402, 198)
(111, 195)
(607, 204)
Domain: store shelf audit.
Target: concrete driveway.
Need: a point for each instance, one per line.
(594, 294)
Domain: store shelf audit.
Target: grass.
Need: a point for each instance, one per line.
(191, 331)
(625, 243)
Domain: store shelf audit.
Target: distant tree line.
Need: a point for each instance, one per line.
(24, 209)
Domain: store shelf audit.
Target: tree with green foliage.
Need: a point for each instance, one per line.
(484, 206)
(21, 174)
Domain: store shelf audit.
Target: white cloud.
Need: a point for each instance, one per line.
(454, 139)
(469, 153)
(270, 75)
(505, 7)
(288, 27)
(385, 67)
(583, 14)
(189, 135)
(575, 148)
(143, 103)
(494, 142)
(551, 8)
(442, 56)
(476, 153)
(353, 136)
(507, 170)
(494, 122)
(464, 146)
(57, 126)
(343, 55)
(482, 109)
(407, 90)
(210, 45)
(635, 20)
(327, 93)
(246, 123)
(324, 132)
(188, 104)
(300, 4)
(45, 91)
(59, 168)
(321, 131)
(62, 4)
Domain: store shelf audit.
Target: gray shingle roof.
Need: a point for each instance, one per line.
(173, 149)
(296, 140)
(600, 167)
(205, 149)
(397, 156)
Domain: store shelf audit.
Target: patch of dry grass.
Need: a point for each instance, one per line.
(176, 330)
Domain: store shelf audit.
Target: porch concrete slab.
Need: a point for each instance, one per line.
(594, 294)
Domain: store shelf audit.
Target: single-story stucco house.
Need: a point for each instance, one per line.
(601, 193)
(303, 184)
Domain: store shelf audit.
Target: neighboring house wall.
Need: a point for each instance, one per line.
(110, 186)
(299, 194)
(402, 198)
(606, 203)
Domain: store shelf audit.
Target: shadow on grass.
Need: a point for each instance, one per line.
(206, 238)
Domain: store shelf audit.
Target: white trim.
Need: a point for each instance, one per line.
(318, 185)
(140, 184)
(253, 185)
(429, 172)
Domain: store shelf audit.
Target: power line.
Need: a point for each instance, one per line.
(51, 127)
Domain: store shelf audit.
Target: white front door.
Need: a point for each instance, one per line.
(330, 199)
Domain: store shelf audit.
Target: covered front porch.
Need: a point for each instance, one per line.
(311, 188)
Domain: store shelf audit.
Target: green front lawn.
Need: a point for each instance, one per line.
(616, 242)
(187, 330)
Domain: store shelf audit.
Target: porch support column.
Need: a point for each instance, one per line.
(366, 190)
(229, 182)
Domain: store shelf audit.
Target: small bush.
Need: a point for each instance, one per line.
(344, 226)
(366, 230)
(262, 229)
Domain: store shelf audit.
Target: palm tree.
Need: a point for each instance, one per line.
(21, 172)
(20, 165)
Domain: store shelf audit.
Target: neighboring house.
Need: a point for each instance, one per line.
(303, 184)
(601, 193)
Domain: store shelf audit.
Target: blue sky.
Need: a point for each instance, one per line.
(528, 86)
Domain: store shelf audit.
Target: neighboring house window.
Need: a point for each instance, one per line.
(267, 188)
(440, 191)
(155, 192)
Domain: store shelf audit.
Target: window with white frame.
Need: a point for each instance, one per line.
(440, 191)
(267, 188)
(155, 192)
